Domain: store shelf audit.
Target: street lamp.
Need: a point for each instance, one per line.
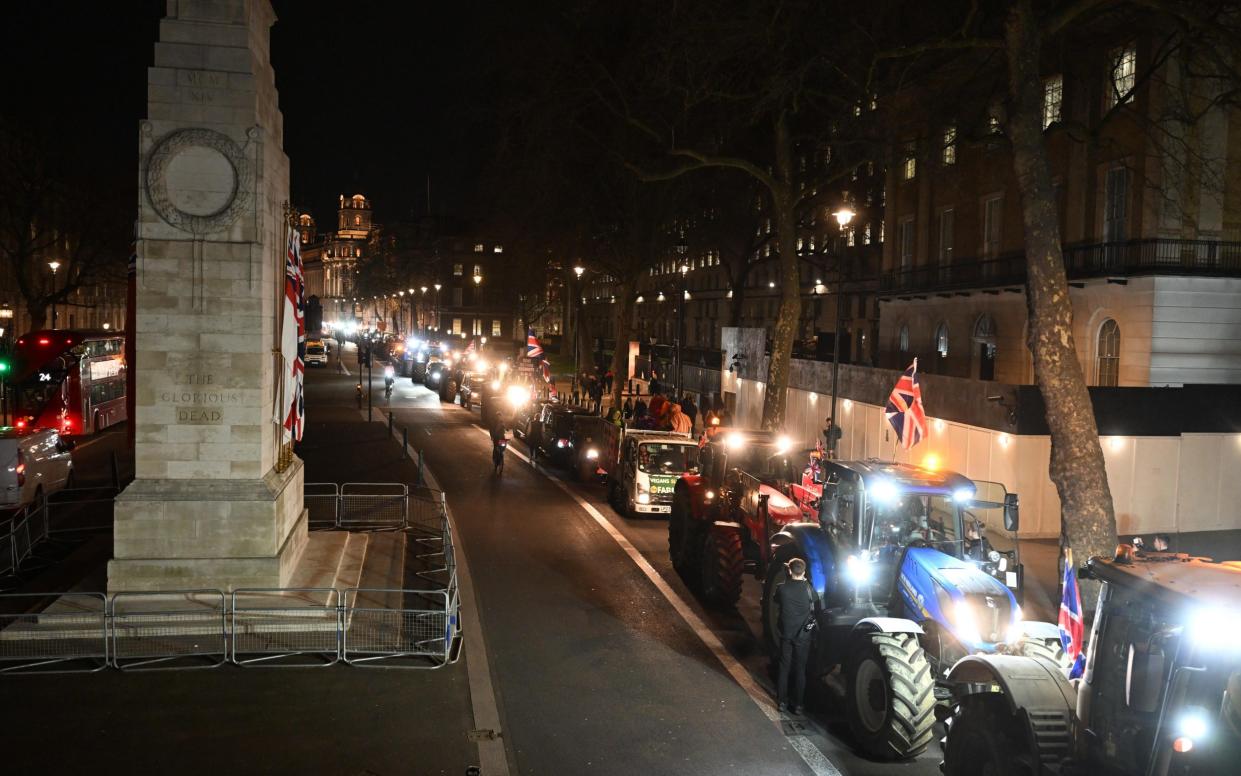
(578, 271)
(438, 286)
(55, 265)
(682, 249)
(843, 216)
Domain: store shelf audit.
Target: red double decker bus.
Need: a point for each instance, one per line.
(72, 381)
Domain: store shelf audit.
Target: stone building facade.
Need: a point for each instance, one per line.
(331, 259)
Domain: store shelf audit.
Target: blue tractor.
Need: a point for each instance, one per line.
(908, 584)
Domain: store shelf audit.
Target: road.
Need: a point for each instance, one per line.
(602, 660)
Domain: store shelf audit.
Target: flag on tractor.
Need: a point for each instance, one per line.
(1072, 627)
(293, 340)
(533, 348)
(546, 369)
(905, 411)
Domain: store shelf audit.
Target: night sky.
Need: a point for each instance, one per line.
(376, 95)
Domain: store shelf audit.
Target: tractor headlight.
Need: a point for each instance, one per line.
(966, 621)
(963, 495)
(495, 385)
(858, 570)
(516, 396)
(709, 495)
(592, 454)
(1215, 628)
(994, 556)
(783, 445)
(1015, 633)
(1192, 727)
(882, 490)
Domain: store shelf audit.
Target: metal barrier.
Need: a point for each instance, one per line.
(285, 627)
(71, 636)
(322, 501)
(168, 629)
(422, 634)
(80, 510)
(373, 504)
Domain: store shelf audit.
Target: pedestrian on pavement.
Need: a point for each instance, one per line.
(679, 421)
(639, 410)
(795, 604)
(627, 410)
(690, 410)
(831, 436)
(596, 396)
(655, 386)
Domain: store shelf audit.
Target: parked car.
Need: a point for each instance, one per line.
(33, 464)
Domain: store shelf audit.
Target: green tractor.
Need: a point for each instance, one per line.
(1161, 693)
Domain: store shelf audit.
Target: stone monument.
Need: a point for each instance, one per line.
(214, 503)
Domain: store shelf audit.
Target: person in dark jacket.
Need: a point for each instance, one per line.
(794, 600)
(690, 410)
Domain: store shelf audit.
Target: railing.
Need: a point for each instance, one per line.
(251, 627)
(1081, 260)
(360, 504)
(65, 513)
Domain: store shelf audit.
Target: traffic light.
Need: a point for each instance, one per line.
(4, 366)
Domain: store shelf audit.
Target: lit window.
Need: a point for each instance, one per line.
(478, 247)
(495, 327)
(941, 340)
(478, 327)
(1124, 70)
(865, 234)
(851, 237)
(458, 270)
(949, 154)
(1053, 97)
(478, 269)
(456, 325)
(1107, 358)
(498, 249)
(909, 167)
(879, 237)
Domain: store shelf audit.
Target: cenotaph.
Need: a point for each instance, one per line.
(214, 503)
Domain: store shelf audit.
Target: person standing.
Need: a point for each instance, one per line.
(679, 421)
(831, 436)
(690, 410)
(795, 600)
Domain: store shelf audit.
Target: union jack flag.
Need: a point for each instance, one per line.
(905, 411)
(546, 369)
(293, 339)
(533, 348)
(1072, 628)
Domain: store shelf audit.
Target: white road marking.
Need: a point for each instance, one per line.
(818, 762)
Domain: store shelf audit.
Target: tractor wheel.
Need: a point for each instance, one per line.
(722, 564)
(985, 740)
(1048, 649)
(678, 526)
(890, 694)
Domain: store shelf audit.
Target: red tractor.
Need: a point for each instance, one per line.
(724, 511)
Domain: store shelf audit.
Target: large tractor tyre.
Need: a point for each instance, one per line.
(1050, 650)
(890, 695)
(722, 563)
(985, 740)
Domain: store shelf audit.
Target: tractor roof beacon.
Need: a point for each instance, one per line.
(915, 568)
(1161, 695)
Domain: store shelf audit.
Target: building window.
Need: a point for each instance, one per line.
(478, 269)
(944, 246)
(456, 297)
(992, 221)
(1123, 63)
(478, 327)
(1107, 361)
(478, 247)
(458, 270)
(941, 340)
(498, 249)
(456, 325)
(1053, 97)
(865, 234)
(357, 220)
(909, 166)
(902, 339)
(879, 237)
(906, 243)
(1116, 207)
(851, 237)
(949, 154)
(496, 331)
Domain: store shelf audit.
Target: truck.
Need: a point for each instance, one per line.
(1160, 695)
(724, 509)
(648, 464)
(901, 597)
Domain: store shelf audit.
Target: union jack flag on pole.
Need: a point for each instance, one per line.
(905, 411)
(533, 348)
(1072, 627)
(293, 340)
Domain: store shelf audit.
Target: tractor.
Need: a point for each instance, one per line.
(1161, 693)
(724, 509)
(901, 594)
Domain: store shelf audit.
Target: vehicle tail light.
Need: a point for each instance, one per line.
(21, 469)
(21, 424)
(562, 442)
(44, 341)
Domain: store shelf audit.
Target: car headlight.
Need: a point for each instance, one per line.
(592, 454)
(710, 495)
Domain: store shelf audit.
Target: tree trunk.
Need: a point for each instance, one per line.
(1077, 467)
(624, 330)
(775, 398)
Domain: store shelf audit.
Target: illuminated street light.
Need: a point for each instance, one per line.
(579, 270)
(844, 216)
(478, 279)
(424, 289)
(55, 265)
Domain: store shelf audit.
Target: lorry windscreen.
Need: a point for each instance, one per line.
(656, 458)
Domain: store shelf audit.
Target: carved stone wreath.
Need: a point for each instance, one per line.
(156, 181)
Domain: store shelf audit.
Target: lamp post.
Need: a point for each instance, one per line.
(578, 271)
(682, 250)
(6, 319)
(55, 265)
(438, 286)
(843, 216)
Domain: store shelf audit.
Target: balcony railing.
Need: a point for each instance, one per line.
(1211, 258)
